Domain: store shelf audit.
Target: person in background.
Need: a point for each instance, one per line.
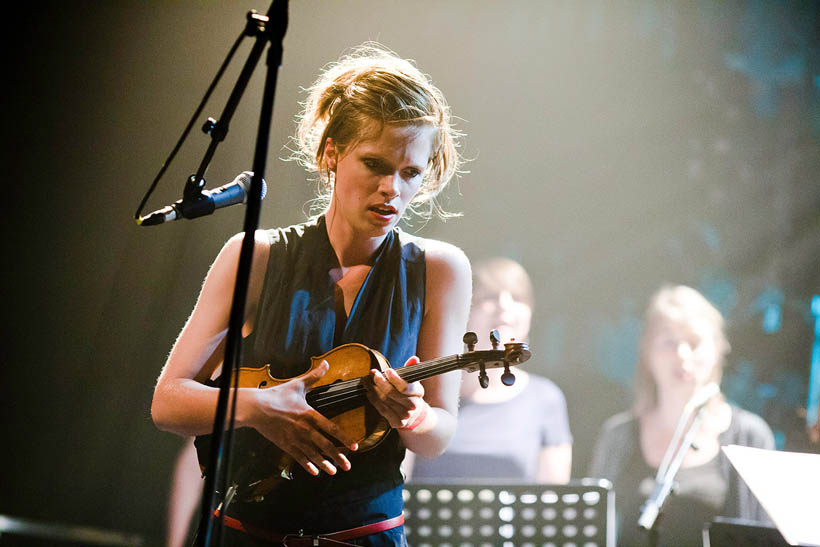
(682, 350)
(184, 496)
(814, 431)
(519, 432)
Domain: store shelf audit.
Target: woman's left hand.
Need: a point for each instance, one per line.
(401, 403)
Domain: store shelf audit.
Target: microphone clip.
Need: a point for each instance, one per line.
(195, 203)
(193, 189)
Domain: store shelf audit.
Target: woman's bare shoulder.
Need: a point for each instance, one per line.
(232, 248)
(445, 260)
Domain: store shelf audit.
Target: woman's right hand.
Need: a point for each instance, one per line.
(281, 414)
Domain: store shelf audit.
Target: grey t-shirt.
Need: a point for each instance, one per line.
(501, 440)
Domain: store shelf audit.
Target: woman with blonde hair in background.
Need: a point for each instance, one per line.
(682, 353)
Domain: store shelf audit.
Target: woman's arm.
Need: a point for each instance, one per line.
(554, 464)
(555, 455)
(425, 413)
(183, 405)
(183, 499)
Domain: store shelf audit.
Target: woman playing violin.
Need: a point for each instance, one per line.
(378, 134)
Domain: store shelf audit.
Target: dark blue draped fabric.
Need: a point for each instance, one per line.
(297, 320)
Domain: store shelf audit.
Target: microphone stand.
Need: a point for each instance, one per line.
(267, 29)
(652, 508)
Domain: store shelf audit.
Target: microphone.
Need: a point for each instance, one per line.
(206, 202)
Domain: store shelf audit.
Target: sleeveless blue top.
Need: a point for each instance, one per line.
(297, 319)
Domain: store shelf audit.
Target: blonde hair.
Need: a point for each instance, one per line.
(497, 274)
(675, 303)
(373, 86)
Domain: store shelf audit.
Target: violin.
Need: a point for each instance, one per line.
(340, 396)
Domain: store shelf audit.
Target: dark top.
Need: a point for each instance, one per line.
(501, 440)
(296, 320)
(703, 492)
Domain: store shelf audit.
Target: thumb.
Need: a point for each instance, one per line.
(316, 374)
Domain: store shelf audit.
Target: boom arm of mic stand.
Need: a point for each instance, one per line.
(275, 25)
(651, 509)
(264, 30)
(685, 416)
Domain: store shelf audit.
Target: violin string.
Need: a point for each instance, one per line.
(352, 390)
(403, 372)
(349, 390)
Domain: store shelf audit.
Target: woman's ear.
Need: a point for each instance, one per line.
(331, 154)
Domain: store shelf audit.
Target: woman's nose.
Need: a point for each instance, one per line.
(684, 351)
(389, 185)
(505, 300)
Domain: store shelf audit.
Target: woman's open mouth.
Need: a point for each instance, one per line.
(383, 212)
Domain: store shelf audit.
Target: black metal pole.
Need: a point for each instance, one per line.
(275, 27)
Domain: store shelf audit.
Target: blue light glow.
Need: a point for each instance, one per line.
(814, 375)
(770, 303)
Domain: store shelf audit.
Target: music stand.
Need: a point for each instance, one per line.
(726, 532)
(787, 485)
(504, 514)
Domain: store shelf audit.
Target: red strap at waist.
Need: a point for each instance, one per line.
(296, 539)
(367, 529)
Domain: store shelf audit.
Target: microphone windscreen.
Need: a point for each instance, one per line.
(244, 179)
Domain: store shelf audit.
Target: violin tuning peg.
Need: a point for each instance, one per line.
(495, 338)
(470, 340)
(483, 379)
(507, 378)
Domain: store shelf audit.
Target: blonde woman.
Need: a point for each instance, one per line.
(682, 350)
(378, 134)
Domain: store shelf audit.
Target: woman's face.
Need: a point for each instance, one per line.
(682, 354)
(378, 177)
(500, 310)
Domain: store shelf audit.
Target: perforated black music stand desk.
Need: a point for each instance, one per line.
(495, 514)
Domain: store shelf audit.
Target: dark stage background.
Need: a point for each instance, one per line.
(615, 147)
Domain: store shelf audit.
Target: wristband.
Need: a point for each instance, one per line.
(418, 421)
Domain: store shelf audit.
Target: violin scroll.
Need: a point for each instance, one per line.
(513, 353)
